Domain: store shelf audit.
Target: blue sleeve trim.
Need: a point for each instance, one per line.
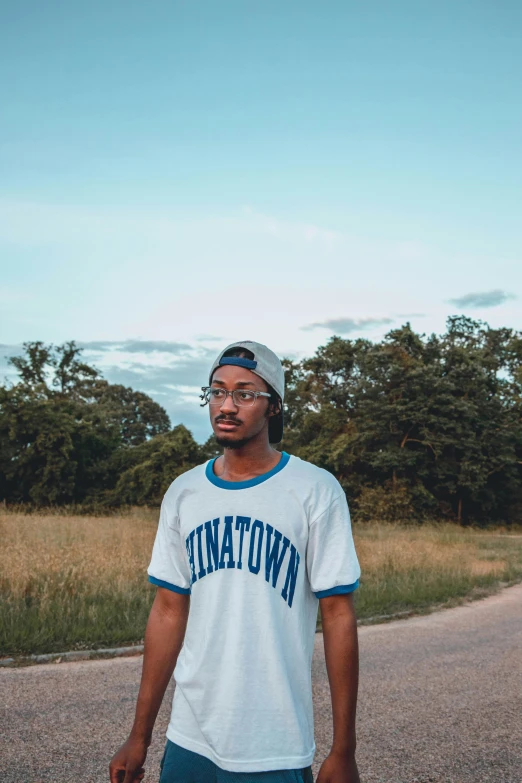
(338, 589)
(174, 588)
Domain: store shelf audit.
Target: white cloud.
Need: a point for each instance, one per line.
(349, 325)
(483, 299)
(30, 224)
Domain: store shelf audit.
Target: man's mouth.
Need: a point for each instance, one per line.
(227, 424)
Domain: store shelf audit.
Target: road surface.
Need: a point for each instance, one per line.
(440, 701)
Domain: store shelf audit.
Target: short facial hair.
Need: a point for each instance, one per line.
(232, 444)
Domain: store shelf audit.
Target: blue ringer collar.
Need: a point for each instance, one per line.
(218, 482)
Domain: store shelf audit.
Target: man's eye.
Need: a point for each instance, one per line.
(216, 392)
(246, 395)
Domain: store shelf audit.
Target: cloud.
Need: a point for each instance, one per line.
(171, 373)
(33, 223)
(136, 346)
(252, 221)
(348, 325)
(125, 346)
(192, 372)
(483, 299)
(176, 387)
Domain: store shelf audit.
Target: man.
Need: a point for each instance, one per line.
(248, 544)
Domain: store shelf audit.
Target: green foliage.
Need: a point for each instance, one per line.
(440, 418)
(50, 452)
(153, 466)
(133, 414)
(414, 427)
(388, 503)
(62, 424)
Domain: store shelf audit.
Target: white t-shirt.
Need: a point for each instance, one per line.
(255, 557)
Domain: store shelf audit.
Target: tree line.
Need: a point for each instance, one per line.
(414, 427)
(67, 436)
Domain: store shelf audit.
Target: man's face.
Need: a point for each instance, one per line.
(234, 425)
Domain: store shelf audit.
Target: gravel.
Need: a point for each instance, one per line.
(440, 701)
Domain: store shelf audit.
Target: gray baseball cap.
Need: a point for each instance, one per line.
(265, 364)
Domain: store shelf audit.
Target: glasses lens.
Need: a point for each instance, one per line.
(216, 396)
(244, 397)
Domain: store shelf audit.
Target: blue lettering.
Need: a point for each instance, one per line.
(256, 526)
(272, 556)
(212, 545)
(190, 550)
(291, 575)
(220, 553)
(201, 572)
(242, 524)
(227, 545)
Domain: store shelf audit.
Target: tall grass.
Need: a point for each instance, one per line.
(408, 568)
(74, 582)
(77, 582)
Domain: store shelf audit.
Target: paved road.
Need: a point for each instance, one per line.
(440, 702)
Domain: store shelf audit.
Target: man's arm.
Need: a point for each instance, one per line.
(341, 649)
(164, 636)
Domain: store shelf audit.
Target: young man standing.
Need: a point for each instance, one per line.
(247, 546)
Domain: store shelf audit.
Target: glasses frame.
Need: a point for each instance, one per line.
(206, 390)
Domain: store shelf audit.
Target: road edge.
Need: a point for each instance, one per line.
(137, 649)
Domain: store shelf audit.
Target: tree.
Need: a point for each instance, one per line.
(137, 416)
(149, 469)
(50, 452)
(61, 425)
(48, 368)
(440, 416)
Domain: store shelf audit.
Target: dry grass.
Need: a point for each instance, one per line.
(74, 582)
(416, 567)
(78, 581)
(70, 550)
(432, 547)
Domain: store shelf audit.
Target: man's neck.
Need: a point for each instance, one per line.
(252, 460)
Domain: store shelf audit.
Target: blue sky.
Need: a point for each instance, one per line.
(176, 175)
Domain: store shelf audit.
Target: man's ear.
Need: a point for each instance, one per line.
(274, 410)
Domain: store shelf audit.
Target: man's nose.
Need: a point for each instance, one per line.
(228, 405)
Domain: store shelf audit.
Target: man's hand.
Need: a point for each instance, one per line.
(339, 768)
(127, 763)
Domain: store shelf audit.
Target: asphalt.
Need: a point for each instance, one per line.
(440, 701)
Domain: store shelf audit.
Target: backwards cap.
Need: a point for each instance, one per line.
(265, 364)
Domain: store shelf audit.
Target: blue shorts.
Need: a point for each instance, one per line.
(180, 765)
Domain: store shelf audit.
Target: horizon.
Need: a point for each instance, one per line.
(188, 366)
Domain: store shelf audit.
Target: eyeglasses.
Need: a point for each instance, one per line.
(241, 397)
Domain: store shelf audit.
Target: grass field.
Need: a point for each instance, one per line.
(78, 582)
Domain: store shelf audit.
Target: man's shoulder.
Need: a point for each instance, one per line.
(314, 475)
(188, 480)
